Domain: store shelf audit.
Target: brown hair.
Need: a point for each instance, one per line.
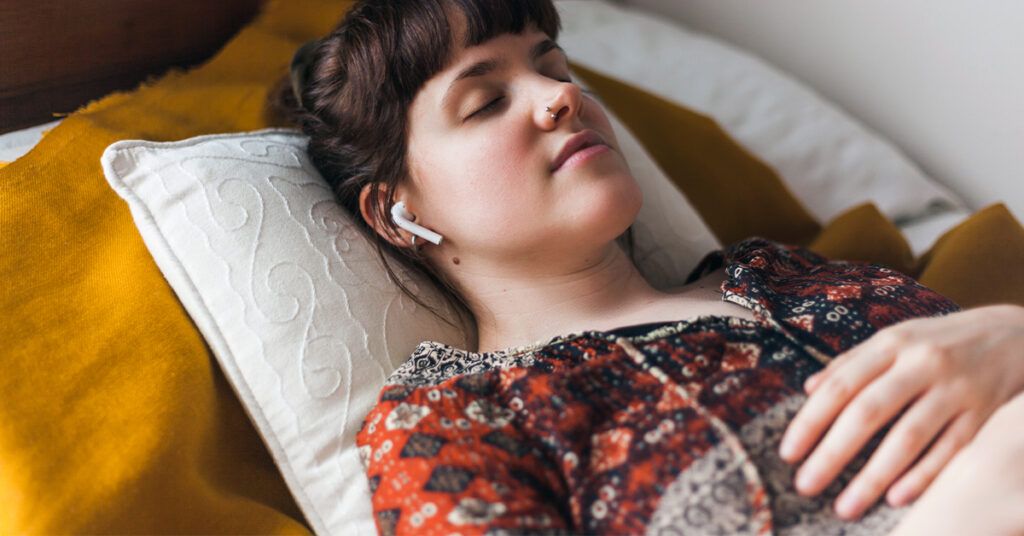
(356, 88)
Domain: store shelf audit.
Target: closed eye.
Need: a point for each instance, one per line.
(489, 106)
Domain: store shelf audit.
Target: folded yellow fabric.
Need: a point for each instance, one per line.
(979, 261)
(115, 418)
(735, 193)
(863, 233)
(975, 263)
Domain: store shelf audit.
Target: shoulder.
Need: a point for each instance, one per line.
(403, 411)
(837, 303)
(772, 265)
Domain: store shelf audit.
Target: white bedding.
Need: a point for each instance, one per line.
(14, 145)
(942, 79)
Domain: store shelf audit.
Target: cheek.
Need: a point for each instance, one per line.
(499, 163)
(506, 147)
(598, 119)
(484, 183)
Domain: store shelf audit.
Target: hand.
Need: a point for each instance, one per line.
(950, 373)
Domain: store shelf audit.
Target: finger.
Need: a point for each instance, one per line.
(816, 379)
(873, 407)
(901, 446)
(813, 381)
(821, 408)
(916, 480)
(890, 339)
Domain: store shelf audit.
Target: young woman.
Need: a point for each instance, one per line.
(594, 402)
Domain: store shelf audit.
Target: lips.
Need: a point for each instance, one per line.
(580, 140)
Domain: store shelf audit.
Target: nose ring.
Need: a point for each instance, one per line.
(553, 116)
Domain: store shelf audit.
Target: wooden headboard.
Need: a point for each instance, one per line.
(60, 54)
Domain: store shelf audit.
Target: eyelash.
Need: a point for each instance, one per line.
(490, 105)
(486, 108)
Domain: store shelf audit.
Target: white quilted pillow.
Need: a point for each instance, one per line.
(829, 161)
(294, 303)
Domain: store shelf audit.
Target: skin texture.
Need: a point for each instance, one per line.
(536, 257)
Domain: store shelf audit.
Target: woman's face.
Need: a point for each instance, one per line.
(481, 151)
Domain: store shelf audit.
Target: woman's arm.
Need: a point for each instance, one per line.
(946, 375)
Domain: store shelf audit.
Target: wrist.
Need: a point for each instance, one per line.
(1013, 312)
(1001, 327)
(1004, 312)
(1013, 315)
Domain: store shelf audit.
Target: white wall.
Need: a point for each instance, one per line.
(943, 79)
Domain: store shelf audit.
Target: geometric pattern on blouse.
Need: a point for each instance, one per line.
(667, 427)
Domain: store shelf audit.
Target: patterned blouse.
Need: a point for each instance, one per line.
(665, 427)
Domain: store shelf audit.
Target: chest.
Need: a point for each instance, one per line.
(701, 298)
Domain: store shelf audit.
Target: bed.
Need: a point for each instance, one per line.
(137, 405)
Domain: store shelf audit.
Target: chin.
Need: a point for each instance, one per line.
(604, 213)
(621, 194)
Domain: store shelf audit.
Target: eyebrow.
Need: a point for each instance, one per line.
(485, 67)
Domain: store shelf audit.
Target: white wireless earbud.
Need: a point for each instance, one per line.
(401, 217)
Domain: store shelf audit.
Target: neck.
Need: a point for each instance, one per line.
(516, 305)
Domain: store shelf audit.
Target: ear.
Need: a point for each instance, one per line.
(366, 202)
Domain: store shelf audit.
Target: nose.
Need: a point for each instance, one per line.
(566, 104)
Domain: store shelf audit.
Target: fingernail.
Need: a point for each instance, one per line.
(898, 496)
(805, 479)
(847, 504)
(810, 381)
(788, 447)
